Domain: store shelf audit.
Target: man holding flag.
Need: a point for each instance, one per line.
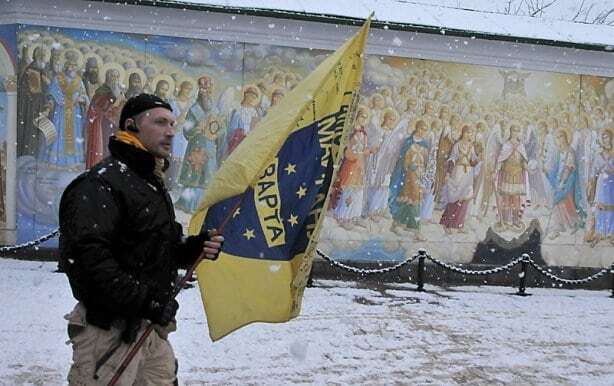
(268, 199)
(120, 247)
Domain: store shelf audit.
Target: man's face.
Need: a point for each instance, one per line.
(156, 131)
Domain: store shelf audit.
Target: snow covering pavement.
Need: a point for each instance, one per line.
(347, 334)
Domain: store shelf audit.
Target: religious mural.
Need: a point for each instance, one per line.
(7, 86)
(442, 153)
(3, 159)
(73, 84)
(439, 155)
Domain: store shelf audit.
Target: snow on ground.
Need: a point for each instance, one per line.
(347, 334)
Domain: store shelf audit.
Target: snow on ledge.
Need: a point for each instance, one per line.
(434, 16)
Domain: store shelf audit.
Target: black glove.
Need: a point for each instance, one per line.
(193, 245)
(161, 312)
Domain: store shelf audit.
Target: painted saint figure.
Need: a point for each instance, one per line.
(33, 84)
(244, 119)
(199, 163)
(90, 76)
(70, 100)
(183, 103)
(406, 184)
(377, 173)
(512, 181)
(457, 190)
(348, 189)
(135, 85)
(567, 214)
(602, 197)
(102, 115)
(541, 193)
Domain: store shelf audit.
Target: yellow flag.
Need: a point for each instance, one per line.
(269, 197)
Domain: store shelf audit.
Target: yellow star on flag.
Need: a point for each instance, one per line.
(301, 192)
(293, 220)
(291, 168)
(249, 234)
(236, 213)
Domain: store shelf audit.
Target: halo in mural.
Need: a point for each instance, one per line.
(6, 64)
(161, 77)
(134, 71)
(84, 48)
(111, 66)
(74, 55)
(46, 51)
(66, 42)
(189, 80)
(253, 89)
(127, 63)
(90, 55)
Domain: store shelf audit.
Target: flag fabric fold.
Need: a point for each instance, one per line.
(269, 197)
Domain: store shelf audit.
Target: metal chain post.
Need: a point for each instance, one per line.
(522, 284)
(420, 278)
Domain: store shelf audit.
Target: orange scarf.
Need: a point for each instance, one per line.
(131, 139)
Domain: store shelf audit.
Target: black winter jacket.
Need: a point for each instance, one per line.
(119, 242)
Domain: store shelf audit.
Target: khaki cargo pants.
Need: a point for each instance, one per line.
(154, 364)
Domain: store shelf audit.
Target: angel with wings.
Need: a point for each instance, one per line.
(512, 181)
(449, 135)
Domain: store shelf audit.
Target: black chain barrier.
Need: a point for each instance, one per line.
(525, 260)
(364, 271)
(30, 244)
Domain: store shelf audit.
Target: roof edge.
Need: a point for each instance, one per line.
(354, 21)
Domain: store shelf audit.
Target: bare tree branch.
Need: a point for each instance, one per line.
(588, 12)
(541, 9)
(518, 8)
(603, 16)
(508, 7)
(580, 9)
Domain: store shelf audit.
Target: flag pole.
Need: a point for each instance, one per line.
(139, 343)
